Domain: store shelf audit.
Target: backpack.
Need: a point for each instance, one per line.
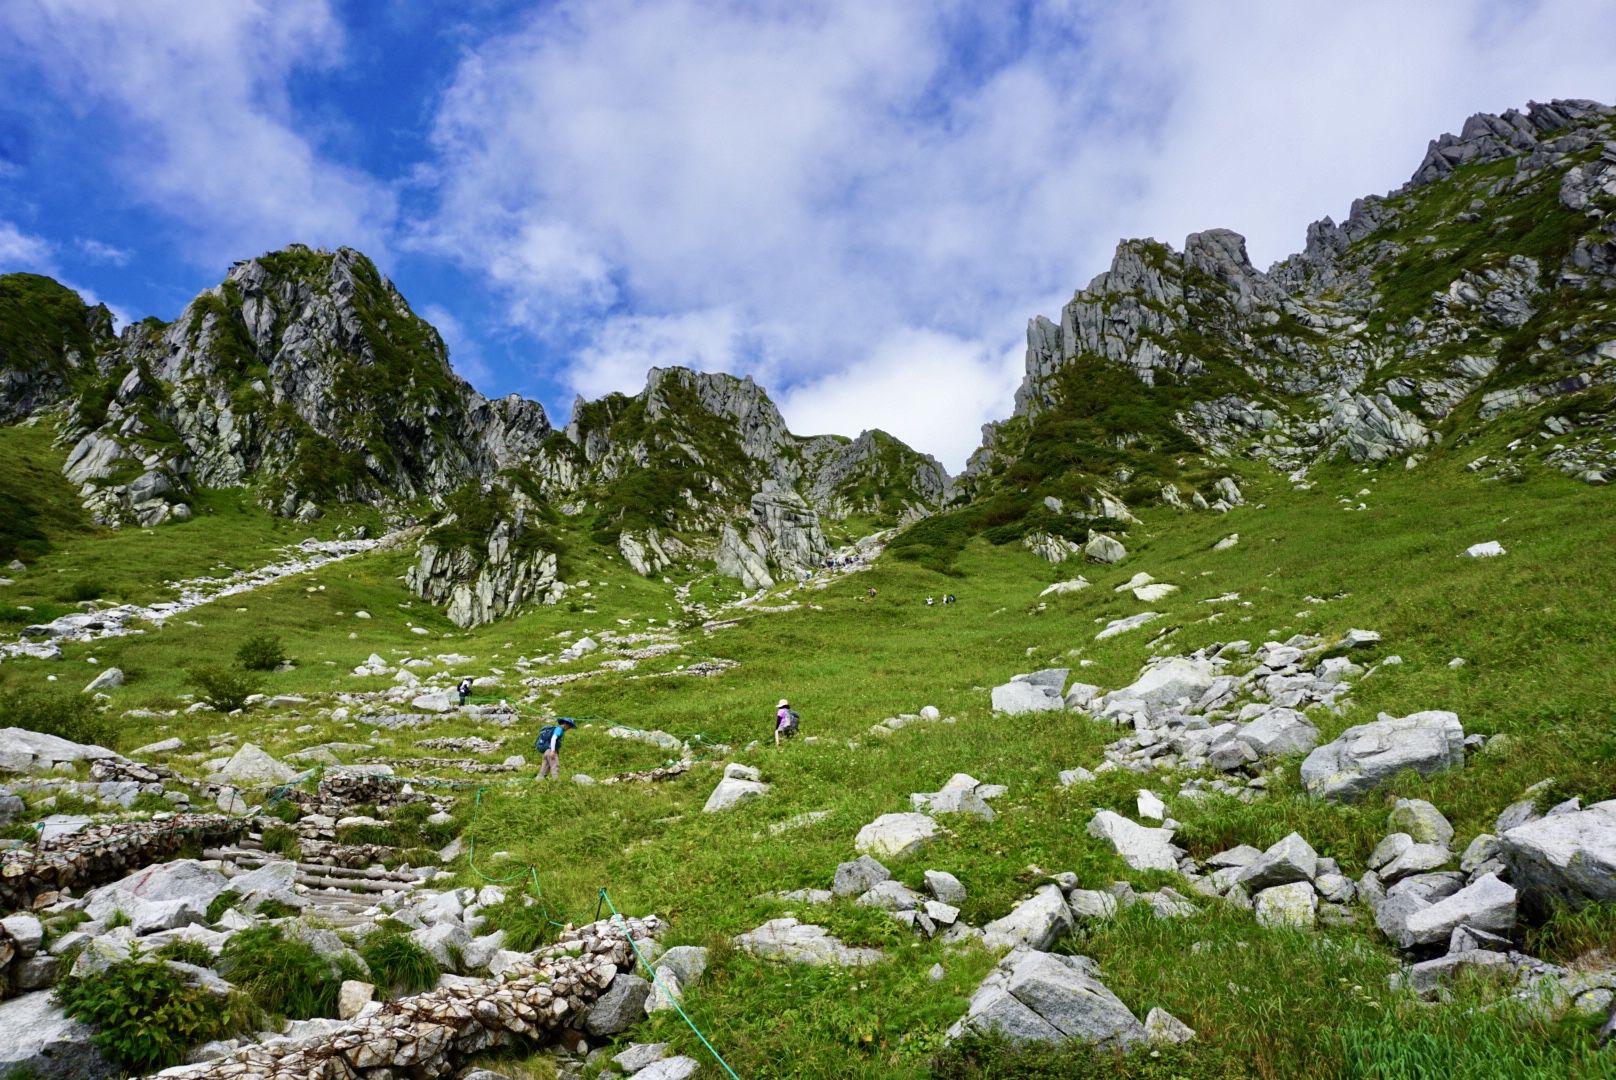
(542, 743)
(791, 724)
(465, 686)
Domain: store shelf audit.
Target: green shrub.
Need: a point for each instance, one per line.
(83, 589)
(145, 1014)
(282, 840)
(272, 908)
(283, 977)
(222, 688)
(262, 652)
(221, 904)
(186, 951)
(119, 918)
(398, 963)
(63, 713)
(285, 809)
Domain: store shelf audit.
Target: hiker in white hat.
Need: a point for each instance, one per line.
(785, 722)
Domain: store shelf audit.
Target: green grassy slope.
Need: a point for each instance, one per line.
(1533, 626)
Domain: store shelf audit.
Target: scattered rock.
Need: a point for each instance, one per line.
(1422, 821)
(1569, 858)
(1290, 860)
(251, 765)
(1140, 847)
(1038, 997)
(731, 791)
(110, 679)
(1295, 904)
(1162, 1026)
(895, 835)
(1365, 756)
(803, 943)
(1037, 922)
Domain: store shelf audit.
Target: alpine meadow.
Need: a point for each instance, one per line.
(1245, 708)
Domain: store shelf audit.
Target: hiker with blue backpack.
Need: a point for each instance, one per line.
(549, 744)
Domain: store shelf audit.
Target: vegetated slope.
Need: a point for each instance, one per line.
(1355, 540)
(1531, 626)
(48, 336)
(306, 379)
(1486, 283)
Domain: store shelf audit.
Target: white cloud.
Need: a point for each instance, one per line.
(628, 346)
(931, 390)
(20, 251)
(100, 252)
(198, 98)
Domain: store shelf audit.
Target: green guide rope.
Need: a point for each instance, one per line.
(666, 992)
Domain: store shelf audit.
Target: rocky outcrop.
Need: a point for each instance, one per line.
(1284, 365)
(782, 540)
(305, 374)
(49, 339)
(478, 586)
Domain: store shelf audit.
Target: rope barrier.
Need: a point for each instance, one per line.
(604, 895)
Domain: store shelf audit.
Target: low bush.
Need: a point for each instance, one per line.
(222, 688)
(282, 840)
(262, 652)
(221, 904)
(396, 962)
(186, 951)
(271, 908)
(75, 592)
(282, 976)
(145, 1014)
(64, 713)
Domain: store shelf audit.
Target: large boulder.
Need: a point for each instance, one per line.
(894, 835)
(38, 1040)
(1039, 997)
(1569, 858)
(1037, 922)
(1485, 904)
(1141, 848)
(1294, 904)
(1175, 679)
(619, 1008)
(1367, 755)
(1422, 821)
(858, 876)
(732, 791)
(1104, 549)
(252, 765)
(1025, 696)
(1278, 732)
(110, 679)
(1290, 860)
(33, 751)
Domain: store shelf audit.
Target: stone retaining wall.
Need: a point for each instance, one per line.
(432, 1034)
(103, 853)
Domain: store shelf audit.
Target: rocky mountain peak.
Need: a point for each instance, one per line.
(1486, 278)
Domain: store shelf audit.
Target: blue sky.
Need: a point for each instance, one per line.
(859, 204)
